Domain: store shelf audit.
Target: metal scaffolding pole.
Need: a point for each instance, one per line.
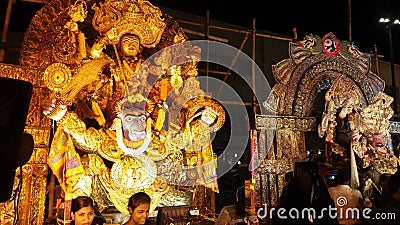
(5, 31)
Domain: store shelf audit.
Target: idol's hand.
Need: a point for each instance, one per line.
(355, 136)
(54, 111)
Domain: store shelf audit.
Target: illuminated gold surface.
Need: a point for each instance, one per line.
(57, 57)
(31, 199)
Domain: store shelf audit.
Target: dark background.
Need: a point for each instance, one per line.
(312, 16)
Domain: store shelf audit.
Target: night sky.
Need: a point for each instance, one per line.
(312, 16)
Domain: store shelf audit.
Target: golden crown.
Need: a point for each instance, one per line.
(116, 18)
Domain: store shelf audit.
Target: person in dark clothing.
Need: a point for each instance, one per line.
(305, 193)
(389, 210)
(381, 191)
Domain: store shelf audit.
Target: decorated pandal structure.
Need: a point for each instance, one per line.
(325, 92)
(107, 85)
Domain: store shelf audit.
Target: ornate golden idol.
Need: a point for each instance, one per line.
(111, 138)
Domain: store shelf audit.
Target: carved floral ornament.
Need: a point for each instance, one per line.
(313, 64)
(116, 18)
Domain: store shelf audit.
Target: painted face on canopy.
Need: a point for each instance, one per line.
(140, 214)
(84, 216)
(130, 45)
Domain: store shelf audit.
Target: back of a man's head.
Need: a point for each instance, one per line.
(344, 175)
(384, 180)
(394, 183)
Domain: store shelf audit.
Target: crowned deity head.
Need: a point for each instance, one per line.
(130, 45)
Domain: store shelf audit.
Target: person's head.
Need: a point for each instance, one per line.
(394, 186)
(82, 210)
(384, 181)
(344, 175)
(130, 45)
(139, 207)
(343, 133)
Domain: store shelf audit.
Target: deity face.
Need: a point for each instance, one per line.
(130, 45)
(377, 141)
(133, 123)
(331, 45)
